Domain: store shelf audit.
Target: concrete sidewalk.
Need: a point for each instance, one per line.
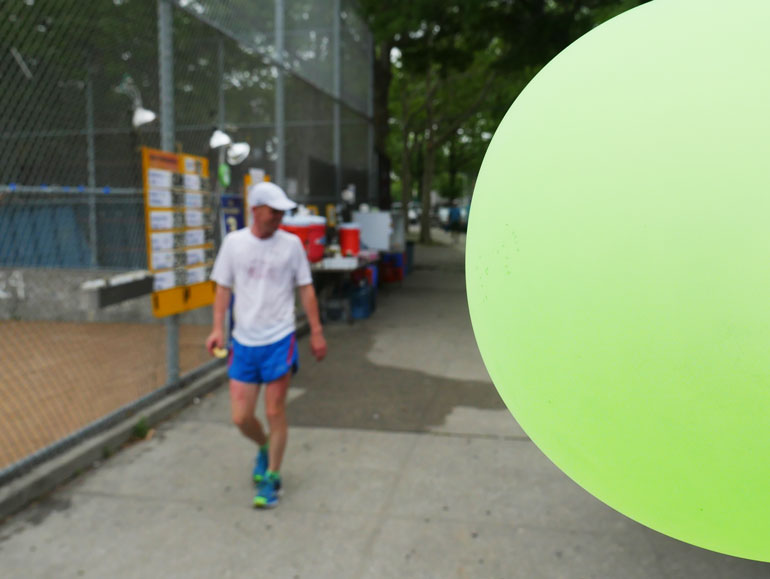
(402, 462)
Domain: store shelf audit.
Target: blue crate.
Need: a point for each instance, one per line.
(361, 302)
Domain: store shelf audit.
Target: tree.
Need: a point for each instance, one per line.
(453, 60)
(449, 100)
(437, 56)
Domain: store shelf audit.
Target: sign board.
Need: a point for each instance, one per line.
(179, 222)
(231, 214)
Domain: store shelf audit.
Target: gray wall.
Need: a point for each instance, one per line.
(55, 295)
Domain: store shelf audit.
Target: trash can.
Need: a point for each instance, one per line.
(361, 302)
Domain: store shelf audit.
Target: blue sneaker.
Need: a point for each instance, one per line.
(260, 465)
(267, 493)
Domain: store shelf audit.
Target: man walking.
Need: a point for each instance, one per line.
(262, 265)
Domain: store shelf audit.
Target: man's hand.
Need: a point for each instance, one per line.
(310, 304)
(318, 345)
(216, 339)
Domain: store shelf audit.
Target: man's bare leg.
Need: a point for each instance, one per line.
(243, 402)
(275, 410)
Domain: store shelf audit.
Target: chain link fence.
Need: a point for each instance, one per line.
(290, 77)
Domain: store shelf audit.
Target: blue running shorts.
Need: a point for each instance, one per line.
(263, 364)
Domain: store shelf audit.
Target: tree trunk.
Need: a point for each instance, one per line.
(429, 165)
(453, 168)
(406, 179)
(382, 79)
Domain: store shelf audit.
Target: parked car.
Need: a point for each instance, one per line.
(413, 212)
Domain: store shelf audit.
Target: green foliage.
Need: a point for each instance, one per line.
(140, 429)
(456, 67)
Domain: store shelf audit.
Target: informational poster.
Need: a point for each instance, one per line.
(179, 220)
(231, 212)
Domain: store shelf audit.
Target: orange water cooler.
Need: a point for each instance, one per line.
(350, 239)
(311, 229)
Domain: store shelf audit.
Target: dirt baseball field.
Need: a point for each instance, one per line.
(57, 377)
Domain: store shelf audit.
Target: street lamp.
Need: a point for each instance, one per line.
(237, 153)
(141, 116)
(219, 139)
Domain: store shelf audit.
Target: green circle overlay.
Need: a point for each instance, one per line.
(618, 268)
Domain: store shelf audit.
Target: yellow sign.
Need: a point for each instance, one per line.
(179, 225)
(331, 215)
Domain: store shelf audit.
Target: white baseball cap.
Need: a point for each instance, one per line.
(270, 194)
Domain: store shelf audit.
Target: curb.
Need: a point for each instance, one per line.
(46, 477)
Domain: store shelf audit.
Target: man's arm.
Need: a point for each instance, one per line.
(310, 305)
(221, 302)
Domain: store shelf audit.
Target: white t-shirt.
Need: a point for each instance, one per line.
(262, 274)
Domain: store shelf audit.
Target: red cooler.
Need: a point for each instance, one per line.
(350, 238)
(316, 238)
(311, 230)
(292, 225)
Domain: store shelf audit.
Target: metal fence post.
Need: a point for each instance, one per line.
(166, 74)
(337, 63)
(166, 84)
(219, 188)
(280, 111)
(221, 93)
(91, 165)
(374, 194)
